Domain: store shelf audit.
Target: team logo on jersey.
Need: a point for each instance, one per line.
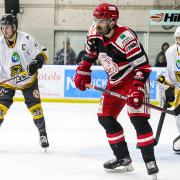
(18, 72)
(15, 57)
(124, 38)
(177, 74)
(131, 46)
(3, 92)
(109, 66)
(36, 94)
(178, 63)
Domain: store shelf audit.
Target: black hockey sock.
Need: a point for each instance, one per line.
(1, 121)
(40, 124)
(113, 128)
(148, 153)
(43, 133)
(120, 150)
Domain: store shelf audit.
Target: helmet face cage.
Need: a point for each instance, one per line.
(106, 11)
(177, 32)
(9, 19)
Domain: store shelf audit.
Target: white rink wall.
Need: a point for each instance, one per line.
(56, 84)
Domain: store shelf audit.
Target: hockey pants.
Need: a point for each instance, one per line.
(32, 101)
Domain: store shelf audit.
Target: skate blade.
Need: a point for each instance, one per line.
(45, 149)
(121, 169)
(177, 152)
(154, 176)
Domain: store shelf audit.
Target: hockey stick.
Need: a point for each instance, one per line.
(174, 112)
(8, 79)
(160, 124)
(20, 74)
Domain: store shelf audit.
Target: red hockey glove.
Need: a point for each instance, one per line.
(83, 76)
(136, 95)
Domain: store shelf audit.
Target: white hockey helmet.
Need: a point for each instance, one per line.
(177, 35)
(177, 32)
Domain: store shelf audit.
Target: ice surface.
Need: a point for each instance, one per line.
(78, 146)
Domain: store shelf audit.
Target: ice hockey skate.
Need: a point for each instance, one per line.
(44, 141)
(119, 165)
(152, 169)
(176, 145)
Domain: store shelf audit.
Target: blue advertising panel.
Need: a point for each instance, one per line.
(153, 86)
(98, 78)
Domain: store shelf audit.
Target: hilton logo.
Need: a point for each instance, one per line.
(166, 17)
(157, 17)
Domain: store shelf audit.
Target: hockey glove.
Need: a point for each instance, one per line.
(83, 75)
(167, 87)
(36, 64)
(161, 79)
(135, 96)
(170, 95)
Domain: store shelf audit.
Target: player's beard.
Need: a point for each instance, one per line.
(103, 31)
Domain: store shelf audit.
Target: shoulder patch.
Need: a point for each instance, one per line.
(124, 38)
(132, 45)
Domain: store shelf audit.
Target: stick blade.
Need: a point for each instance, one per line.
(177, 110)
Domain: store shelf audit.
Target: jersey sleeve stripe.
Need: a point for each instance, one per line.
(133, 52)
(138, 61)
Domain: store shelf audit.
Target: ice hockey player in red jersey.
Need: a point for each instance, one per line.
(126, 63)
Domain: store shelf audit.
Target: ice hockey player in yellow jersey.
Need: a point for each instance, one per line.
(171, 83)
(20, 58)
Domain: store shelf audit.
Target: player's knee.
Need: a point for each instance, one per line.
(141, 124)
(3, 111)
(109, 123)
(36, 111)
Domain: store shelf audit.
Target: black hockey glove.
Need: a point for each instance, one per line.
(36, 64)
(170, 95)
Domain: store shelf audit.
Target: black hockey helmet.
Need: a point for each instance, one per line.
(9, 19)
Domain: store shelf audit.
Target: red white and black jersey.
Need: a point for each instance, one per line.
(122, 56)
